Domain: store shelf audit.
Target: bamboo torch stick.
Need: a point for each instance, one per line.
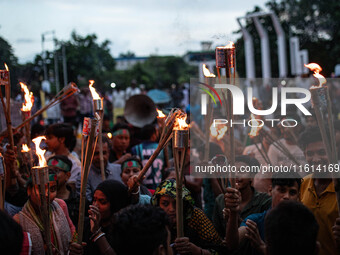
(6, 81)
(254, 132)
(40, 177)
(26, 113)
(180, 145)
(2, 183)
(321, 103)
(98, 107)
(62, 95)
(230, 72)
(161, 122)
(163, 141)
(209, 79)
(90, 130)
(220, 60)
(8, 108)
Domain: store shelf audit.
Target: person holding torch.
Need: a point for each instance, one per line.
(30, 218)
(200, 236)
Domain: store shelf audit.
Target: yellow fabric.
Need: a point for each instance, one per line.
(325, 211)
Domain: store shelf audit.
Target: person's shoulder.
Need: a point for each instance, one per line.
(198, 215)
(256, 217)
(261, 196)
(113, 166)
(74, 159)
(60, 202)
(307, 182)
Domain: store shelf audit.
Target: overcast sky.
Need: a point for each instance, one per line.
(144, 27)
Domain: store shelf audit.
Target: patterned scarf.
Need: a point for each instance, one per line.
(31, 223)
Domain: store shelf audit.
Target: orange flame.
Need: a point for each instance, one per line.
(7, 69)
(317, 69)
(206, 72)
(29, 98)
(218, 132)
(25, 148)
(180, 123)
(255, 127)
(231, 45)
(160, 114)
(94, 93)
(40, 153)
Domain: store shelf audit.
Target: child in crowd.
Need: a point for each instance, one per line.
(30, 218)
(59, 138)
(62, 166)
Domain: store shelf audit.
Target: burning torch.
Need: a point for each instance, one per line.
(209, 78)
(40, 177)
(98, 108)
(321, 102)
(180, 141)
(161, 122)
(90, 130)
(225, 58)
(26, 113)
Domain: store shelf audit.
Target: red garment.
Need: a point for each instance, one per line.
(26, 244)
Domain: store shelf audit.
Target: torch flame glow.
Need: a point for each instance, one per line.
(25, 148)
(94, 93)
(180, 123)
(40, 153)
(231, 45)
(217, 132)
(7, 69)
(160, 114)
(206, 72)
(256, 127)
(29, 98)
(317, 69)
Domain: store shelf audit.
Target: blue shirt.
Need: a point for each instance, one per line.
(258, 218)
(112, 172)
(144, 151)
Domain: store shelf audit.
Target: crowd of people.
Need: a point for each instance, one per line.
(262, 214)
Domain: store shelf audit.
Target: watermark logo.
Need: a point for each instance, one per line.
(239, 99)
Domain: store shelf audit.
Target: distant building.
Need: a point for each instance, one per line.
(197, 57)
(126, 63)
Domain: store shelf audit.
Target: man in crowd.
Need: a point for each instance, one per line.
(141, 229)
(252, 201)
(317, 190)
(289, 140)
(145, 150)
(252, 227)
(112, 170)
(291, 228)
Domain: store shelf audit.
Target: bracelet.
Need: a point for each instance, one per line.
(96, 233)
(99, 236)
(135, 193)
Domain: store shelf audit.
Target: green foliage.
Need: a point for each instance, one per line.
(316, 23)
(7, 56)
(157, 71)
(86, 59)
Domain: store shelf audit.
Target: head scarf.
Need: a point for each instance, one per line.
(131, 163)
(116, 193)
(168, 187)
(121, 131)
(59, 162)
